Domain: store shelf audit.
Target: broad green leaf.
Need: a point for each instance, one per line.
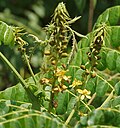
(9, 36)
(102, 62)
(40, 121)
(24, 118)
(71, 104)
(91, 84)
(116, 101)
(115, 36)
(117, 88)
(83, 120)
(101, 88)
(111, 60)
(2, 126)
(111, 15)
(84, 55)
(78, 74)
(118, 63)
(61, 103)
(15, 124)
(29, 122)
(77, 58)
(14, 93)
(3, 108)
(85, 42)
(96, 117)
(110, 117)
(3, 28)
(6, 34)
(72, 71)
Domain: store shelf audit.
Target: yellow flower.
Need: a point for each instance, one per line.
(61, 75)
(60, 72)
(45, 81)
(82, 114)
(84, 93)
(75, 83)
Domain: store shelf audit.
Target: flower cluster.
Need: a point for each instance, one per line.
(75, 83)
(61, 77)
(84, 94)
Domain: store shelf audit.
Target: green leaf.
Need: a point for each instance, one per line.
(85, 42)
(3, 28)
(71, 104)
(96, 117)
(72, 71)
(2, 126)
(61, 109)
(111, 60)
(18, 117)
(102, 62)
(117, 88)
(91, 84)
(77, 58)
(28, 121)
(115, 36)
(3, 108)
(84, 55)
(116, 101)
(15, 124)
(9, 36)
(78, 74)
(83, 120)
(101, 88)
(111, 16)
(16, 93)
(118, 63)
(6, 34)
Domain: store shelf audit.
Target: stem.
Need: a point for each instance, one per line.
(30, 69)
(80, 100)
(14, 70)
(69, 117)
(91, 12)
(106, 82)
(108, 98)
(86, 106)
(33, 99)
(52, 93)
(92, 98)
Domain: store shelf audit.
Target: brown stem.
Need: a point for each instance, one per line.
(91, 12)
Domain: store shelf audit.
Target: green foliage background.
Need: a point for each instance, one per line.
(16, 109)
(35, 14)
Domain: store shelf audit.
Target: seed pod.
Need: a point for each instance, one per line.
(87, 72)
(47, 53)
(53, 62)
(89, 57)
(52, 43)
(64, 46)
(96, 52)
(82, 67)
(61, 37)
(64, 66)
(98, 57)
(93, 75)
(64, 87)
(91, 48)
(55, 104)
(64, 54)
(95, 64)
(65, 41)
